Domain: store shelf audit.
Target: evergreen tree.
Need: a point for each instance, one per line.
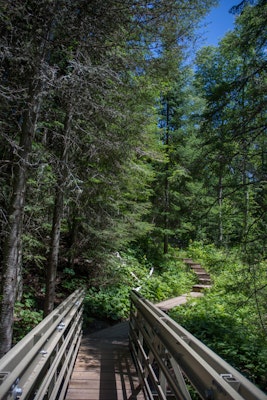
(25, 78)
(175, 194)
(63, 66)
(233, 77)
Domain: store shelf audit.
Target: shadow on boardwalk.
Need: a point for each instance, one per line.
(104, 369)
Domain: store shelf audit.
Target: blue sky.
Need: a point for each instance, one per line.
(219, 21)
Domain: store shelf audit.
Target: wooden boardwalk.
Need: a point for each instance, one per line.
(104, 369)
(167, 305)
(204, 282)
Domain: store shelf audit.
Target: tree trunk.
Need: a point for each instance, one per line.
(166, 218)
(11, 261)
(244, 153)
(245, 200)
(54, 251)
(51, 276)
(166, 185)
(12, 253)
(220, 211)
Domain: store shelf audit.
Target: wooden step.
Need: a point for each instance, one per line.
(191, 264)
(195, 294)
(204, 281)
(166, 305)
(199, 271)
(202, 275)
(187, 260)
(194, 265)
(199, 287)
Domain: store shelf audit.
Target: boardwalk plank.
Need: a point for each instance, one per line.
(104, 369)
(166, 305)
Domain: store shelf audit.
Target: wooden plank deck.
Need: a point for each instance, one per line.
(104, 369)
(166, 305)
(204, 282)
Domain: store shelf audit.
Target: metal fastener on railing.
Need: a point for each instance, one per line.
(229, 378)
(15, 390)
(186, 339)
(61, 326)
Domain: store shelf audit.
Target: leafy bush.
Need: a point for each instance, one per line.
(227, 333)
(109, 297)
(25, 318)
(69, 281)
(170, 283)
(230, 318)
(108, 303)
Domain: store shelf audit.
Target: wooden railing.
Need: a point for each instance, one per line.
(39, 366)
(173, 364)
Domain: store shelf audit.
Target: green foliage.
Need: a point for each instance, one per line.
(33, 249)
(69, 272)
(170, 280)
(230, 317)
(167, 284)
(26, 317)
(109, 297)
(212, 258)
(111, 302)
(70, 281)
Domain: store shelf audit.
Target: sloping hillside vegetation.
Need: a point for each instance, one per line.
(231, 317)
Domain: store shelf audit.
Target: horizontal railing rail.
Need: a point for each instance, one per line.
(40, 365)
(171, 361)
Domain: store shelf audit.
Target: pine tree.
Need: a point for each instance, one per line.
(233, 78)
(64, 65)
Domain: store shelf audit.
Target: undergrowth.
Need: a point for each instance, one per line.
(26, 316)
(109, 296)
(231, 317)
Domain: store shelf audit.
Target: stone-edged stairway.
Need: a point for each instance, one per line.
(204, 282)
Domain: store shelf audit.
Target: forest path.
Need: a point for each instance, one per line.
(204, 282)
(104, 369)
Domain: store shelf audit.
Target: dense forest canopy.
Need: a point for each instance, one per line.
(110, 141)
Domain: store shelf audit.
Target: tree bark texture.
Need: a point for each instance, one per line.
(51, 276)
(166, 185)
(11, 262)
(54, 251)
(12, 253)
(220, 196)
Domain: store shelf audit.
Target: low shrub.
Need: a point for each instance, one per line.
(231, 317)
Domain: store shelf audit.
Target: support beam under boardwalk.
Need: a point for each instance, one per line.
(104, 368)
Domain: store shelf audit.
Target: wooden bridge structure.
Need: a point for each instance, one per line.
(149, 357)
